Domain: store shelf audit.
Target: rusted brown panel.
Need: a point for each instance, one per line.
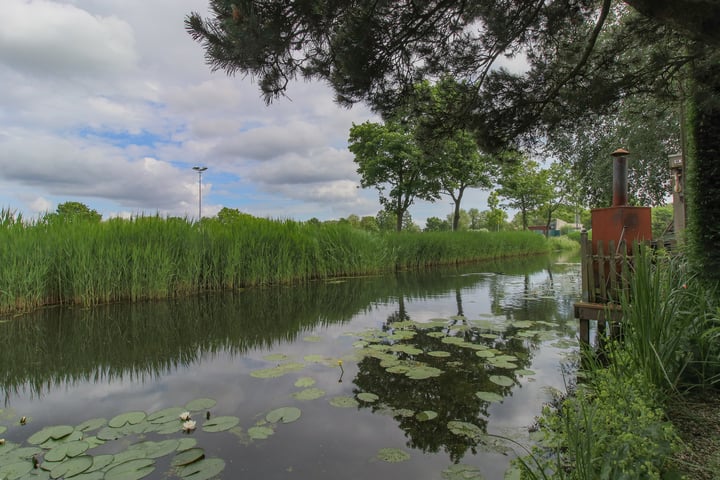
(621, 224)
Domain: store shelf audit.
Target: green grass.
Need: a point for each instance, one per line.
(150, 257)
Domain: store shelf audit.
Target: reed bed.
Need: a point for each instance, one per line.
(150, 257)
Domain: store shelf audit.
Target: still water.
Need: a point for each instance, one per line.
(394, 377)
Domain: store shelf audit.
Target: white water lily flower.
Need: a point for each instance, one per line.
(189, 426)
(185, 416)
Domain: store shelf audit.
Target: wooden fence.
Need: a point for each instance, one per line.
(604, 275)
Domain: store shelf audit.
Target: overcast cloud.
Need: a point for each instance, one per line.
(110, 103)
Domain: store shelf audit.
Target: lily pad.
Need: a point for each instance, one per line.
(309, 394)
(315, 358)
(52, 443)
(422, 372)
(92, 424)
(50, 433)
(186, 443)
(462, 472)
(129, 418)
(15, 470)
(100, 462)
(426, 415)
(200, 404)
(304, 382)
(368, 397)
(484, 354)
(165, 415)
(203, 470)
(70, 449)
(489, 396)
(156, 449)
(131, 470)
(393, 455)
(220, 424)
(312, 338)
(501, 380)
(109, 434)
(439, 354)
(187, 457)
(524, 372)
(278, 371)
(72, 467)
(284, 414)
(465, 429)
(260, 432)
(344, 402)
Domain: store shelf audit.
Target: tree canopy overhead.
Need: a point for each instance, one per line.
(581, 54)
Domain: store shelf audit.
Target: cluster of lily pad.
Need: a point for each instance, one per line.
(64, 451)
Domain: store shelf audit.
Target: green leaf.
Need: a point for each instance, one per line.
(50, 433)
(186, 444)
(129, 418)
(422, 372)
(72, 467)
(393, 455)
(200, 404)
(15, 470)
(203, 470)
(501, 380)
(304, 382)
(259, 432)
(166, 415)
(131, 470)
(489, 396)
(426, 415)
(465, 429)
(220, 424)
(286, 414)
(344, 402)
(92, 424)
(278, 371)
(368, 397)
(309, 394)
(152, 449)
(462, 472)
(100, 462)
(187, 457)
(439, 354)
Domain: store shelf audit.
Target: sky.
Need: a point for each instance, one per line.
(110, 103)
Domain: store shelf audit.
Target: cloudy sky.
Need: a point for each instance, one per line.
(110, 103)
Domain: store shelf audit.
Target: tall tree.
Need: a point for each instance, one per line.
(497, 216)
(389, 160)
(525, 187)
(74, 212)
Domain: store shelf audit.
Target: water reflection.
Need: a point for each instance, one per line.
(154, 355)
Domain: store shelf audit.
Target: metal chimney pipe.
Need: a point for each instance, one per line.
(620, 189)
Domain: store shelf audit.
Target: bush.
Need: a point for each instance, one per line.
(611, 428)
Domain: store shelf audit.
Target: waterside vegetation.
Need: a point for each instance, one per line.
(73, 261)
(621, 421)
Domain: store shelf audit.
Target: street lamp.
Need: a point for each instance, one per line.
(200, 171)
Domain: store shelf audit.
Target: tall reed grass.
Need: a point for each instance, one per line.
(150, 257)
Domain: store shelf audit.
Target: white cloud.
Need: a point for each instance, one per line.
(51, 38)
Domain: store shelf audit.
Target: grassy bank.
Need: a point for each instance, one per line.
(88, 263)
(628, 418)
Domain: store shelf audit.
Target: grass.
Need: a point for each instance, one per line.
(89, 263)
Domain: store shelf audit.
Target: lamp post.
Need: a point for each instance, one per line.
(200, 171)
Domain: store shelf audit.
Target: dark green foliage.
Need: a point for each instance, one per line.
(704, 167)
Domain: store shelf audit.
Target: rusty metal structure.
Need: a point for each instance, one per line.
(604, 259)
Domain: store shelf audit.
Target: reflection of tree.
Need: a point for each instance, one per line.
(452, 395)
